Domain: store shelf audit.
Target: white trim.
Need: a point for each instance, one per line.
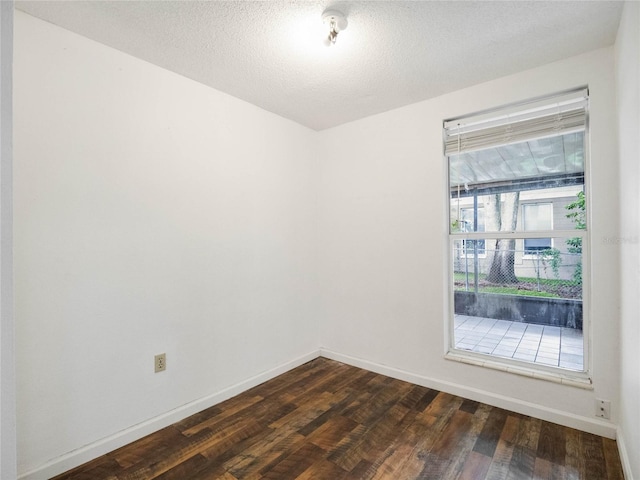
(559, 375)
(624, 456)
(89, 452)
(8, 449)
(590, 425)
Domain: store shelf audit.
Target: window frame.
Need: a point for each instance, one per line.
(580, 379)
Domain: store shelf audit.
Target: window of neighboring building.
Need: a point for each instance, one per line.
(537, 217)
(517, 283)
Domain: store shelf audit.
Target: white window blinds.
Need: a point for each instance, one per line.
(550, 117)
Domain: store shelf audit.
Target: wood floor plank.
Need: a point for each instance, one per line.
(443, 404)
(322, 469)
(206, 414)
(372, 445)
(146, 446)
(105, 468)
(381, 402)
(475, 466)
(542, 469)
(523, 457)
(184, 469)
(332, 432)
(272, 448)
(491, 432)
(499, 468)
(612, 459)
(429, 428)
(294, 464)
(215, 465)
(362, 471)
(529, 433)
(336, 409)
(426, 400)
(413, 398)
(224, 440)
(166, 459)
(595, 464)
(303, 415)
(216, 418)
(522, 464)
(466, 444)
(447, 444)
(398, 454)
(574, 461)
(469, 406)
(552, 443)
(326, 420)
(294, 381)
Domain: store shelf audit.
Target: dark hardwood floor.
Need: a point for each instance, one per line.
(327, 420)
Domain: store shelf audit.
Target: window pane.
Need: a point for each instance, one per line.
(468, 224)
(537, 216)
(556, 271)
(527, 186)
(534, 245)
(520, 211)
(515, 167)
(507, 303)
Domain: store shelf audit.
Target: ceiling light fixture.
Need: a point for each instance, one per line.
(337, 22)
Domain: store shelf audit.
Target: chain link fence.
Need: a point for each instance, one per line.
(535, 269)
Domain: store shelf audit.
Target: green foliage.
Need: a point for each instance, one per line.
(527, 286)
(577, 213)
(553, 256)
(517, 291)
(551, 282)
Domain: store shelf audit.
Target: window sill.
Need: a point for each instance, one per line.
(530, 256)
(572, 379)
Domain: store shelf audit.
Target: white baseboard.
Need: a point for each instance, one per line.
(89, 452)
(595, 426)
(624, 456)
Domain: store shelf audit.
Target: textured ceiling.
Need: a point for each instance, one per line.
(393, 53)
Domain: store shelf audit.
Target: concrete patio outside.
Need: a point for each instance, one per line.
(539, 344)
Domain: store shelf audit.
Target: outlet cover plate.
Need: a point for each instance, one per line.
(160, 362)
(603, 408)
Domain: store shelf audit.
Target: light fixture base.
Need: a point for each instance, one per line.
(340, 20)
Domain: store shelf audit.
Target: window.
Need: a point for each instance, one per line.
(517, 227)
(536, 217)
(468, 224)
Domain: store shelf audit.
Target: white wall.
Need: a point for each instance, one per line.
(383, 241)
(628, 87)
(7, 344)
(152, 214)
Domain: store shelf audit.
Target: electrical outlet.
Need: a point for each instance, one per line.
(161, 362)
(603, 408)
